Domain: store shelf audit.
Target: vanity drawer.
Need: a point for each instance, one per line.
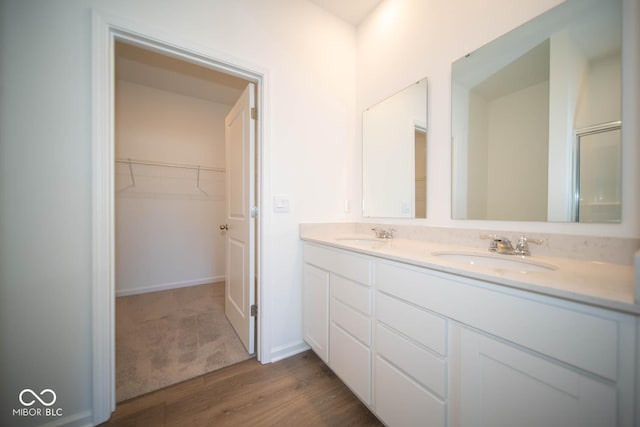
(353, 322)
(351, 361)
(351, 293)
(558, 329)
(400, 401)
(352, 267)
(419, 325)
(429, 370)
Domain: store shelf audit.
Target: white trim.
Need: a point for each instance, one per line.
(106, 29)
(167, 286)
(263, 185)
(288, 350)
(102, 285)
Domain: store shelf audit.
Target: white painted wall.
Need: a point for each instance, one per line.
(45, 178)
(164, 126)
(518, 129)
(166, 229)
(460, 150)
(404, 40)
(600, 103)
(477, 170)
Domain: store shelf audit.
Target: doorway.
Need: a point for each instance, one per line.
(170, 199)
(108, 29)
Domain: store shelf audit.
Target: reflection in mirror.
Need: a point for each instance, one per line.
(394, 155)
(517, 105)
(421, 173)
(598, 184)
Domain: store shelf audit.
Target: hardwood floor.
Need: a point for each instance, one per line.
(298, 391)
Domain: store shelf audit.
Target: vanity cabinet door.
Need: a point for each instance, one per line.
(315, 309)
(400, 401)
(350, 334)
(351, 361)
(410, 367)
(504, 386)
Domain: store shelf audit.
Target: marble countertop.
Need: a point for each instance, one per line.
(595, 283)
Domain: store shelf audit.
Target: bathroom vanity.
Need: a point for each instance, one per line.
(432, 340)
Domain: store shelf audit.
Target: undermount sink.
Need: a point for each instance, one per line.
(503, 262)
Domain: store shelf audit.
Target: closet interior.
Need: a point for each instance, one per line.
(169, 191)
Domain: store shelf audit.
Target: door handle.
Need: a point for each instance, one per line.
(224, 227)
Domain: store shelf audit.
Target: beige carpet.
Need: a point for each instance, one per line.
(166, 337)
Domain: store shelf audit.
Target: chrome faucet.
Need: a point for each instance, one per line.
(502, 245)
(383, 233)
(499, 244)
(522, 247)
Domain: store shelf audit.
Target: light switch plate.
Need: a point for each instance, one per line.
(281, 204)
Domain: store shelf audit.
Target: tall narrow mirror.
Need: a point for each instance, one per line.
(518, 105)
(394, 155)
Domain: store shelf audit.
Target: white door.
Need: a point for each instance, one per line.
(240, 226)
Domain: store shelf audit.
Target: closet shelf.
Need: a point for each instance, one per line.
(170, 165)
(198, 168)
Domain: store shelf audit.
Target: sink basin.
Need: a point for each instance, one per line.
(502, 262)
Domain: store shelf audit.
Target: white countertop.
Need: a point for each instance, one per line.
(595, 283)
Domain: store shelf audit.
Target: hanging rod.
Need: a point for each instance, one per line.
(169, 165)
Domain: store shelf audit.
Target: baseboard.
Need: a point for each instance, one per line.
(81, 419)
(167, 286)
(288, 350)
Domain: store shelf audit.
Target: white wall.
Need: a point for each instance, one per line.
(162, 126)
(599, 103)
(460, 143)
(512, 126)
(45, 190)
(405, 40)
(166, 228)
(477, 160)
(518, 129)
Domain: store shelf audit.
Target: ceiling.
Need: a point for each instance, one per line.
(352, 11)
(159, 71)
(528, 70)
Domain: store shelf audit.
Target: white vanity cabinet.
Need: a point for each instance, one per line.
(503, 386)
(410, 365)
(424, 347)
(347, 300)
(315, 311)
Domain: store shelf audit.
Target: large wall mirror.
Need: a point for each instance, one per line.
(394, 155)
(536, 120)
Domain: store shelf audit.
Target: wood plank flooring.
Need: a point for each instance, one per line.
(298, 391)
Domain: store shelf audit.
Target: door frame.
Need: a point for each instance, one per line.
(106, 30)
